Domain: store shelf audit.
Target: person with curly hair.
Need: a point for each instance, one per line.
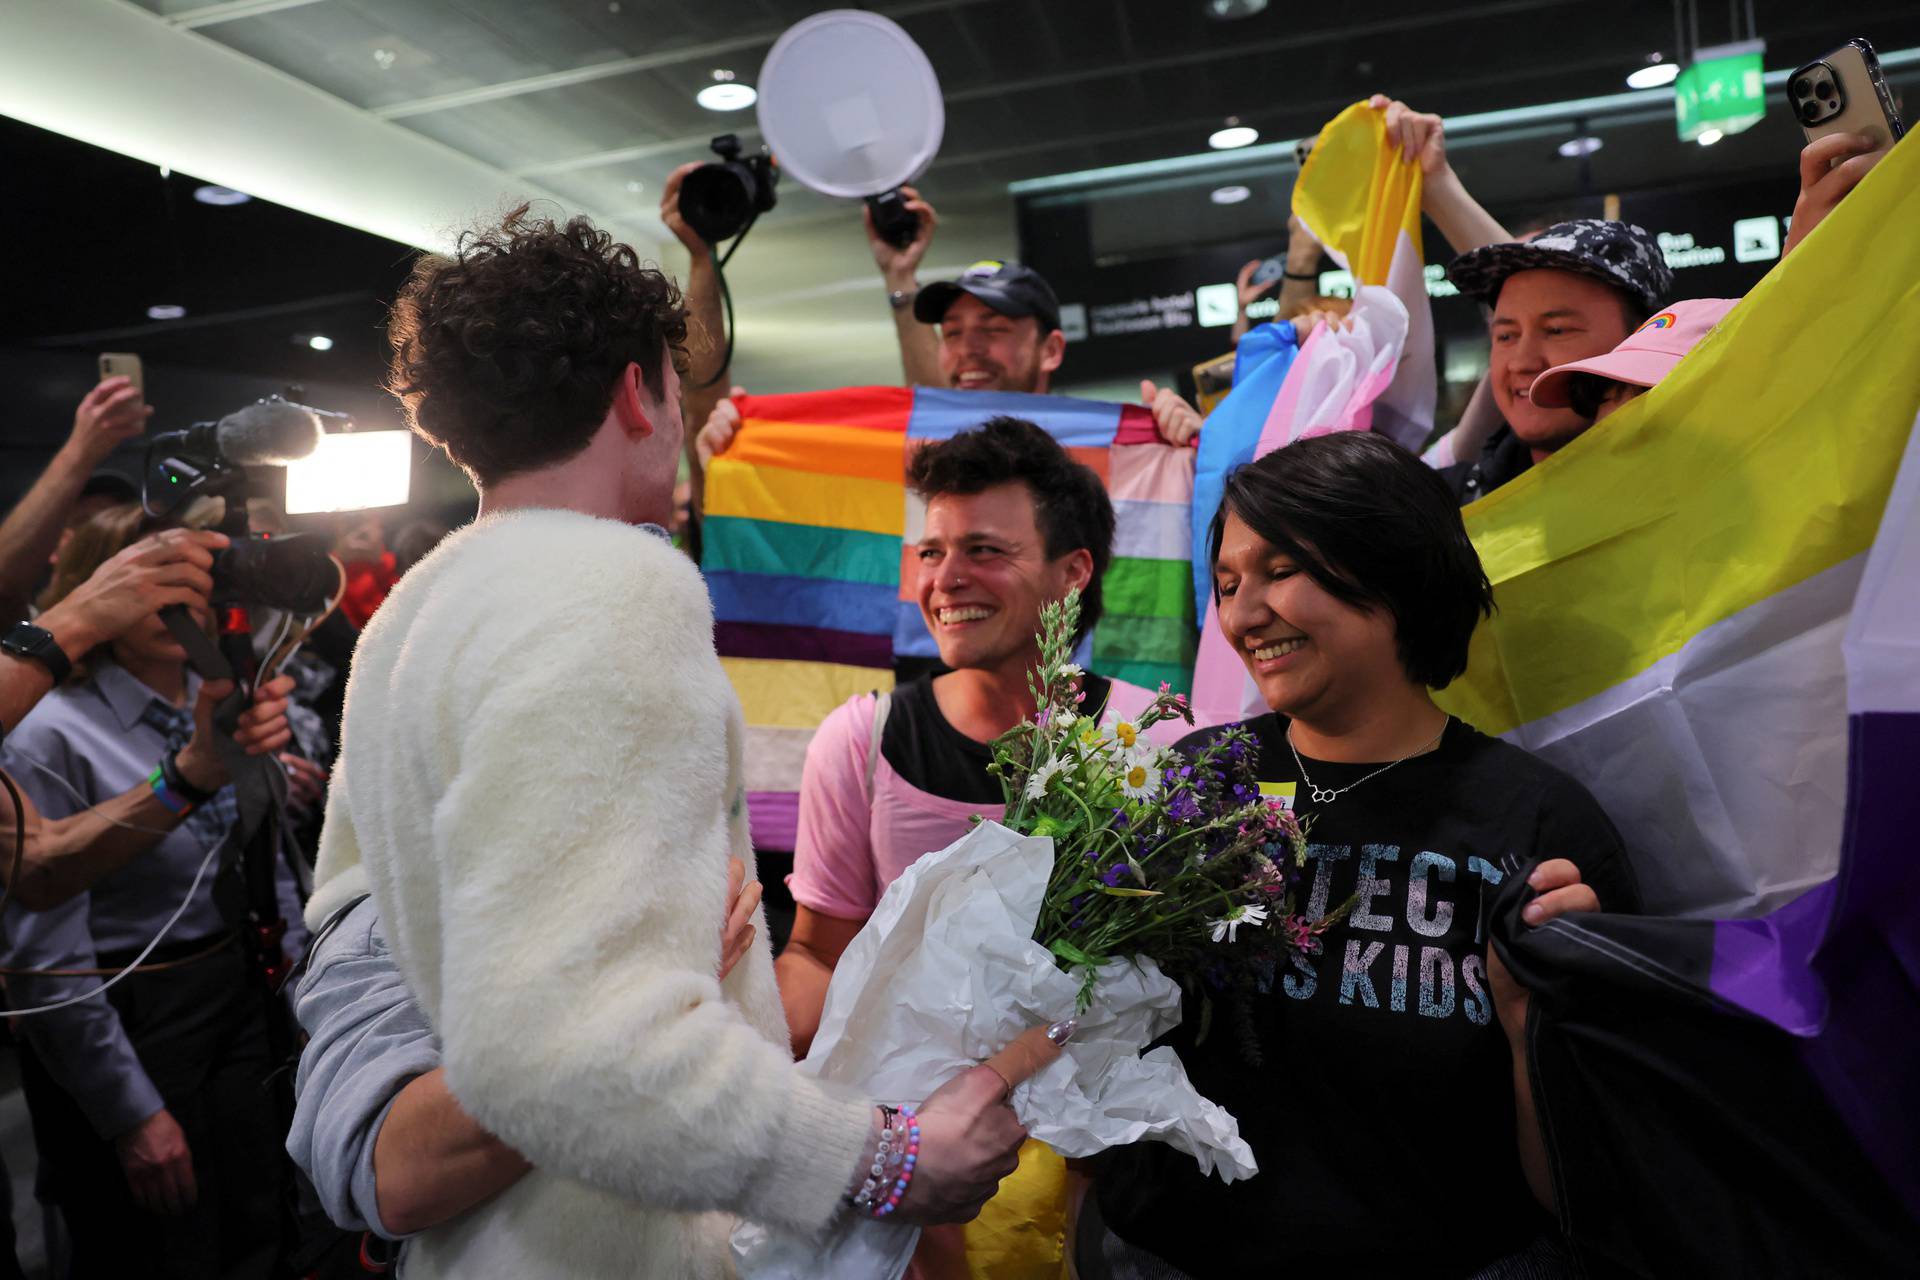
(538, 984)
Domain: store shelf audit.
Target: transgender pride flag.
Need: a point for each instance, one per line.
(807, 545)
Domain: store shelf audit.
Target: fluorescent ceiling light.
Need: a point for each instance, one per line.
(1231, 194)
(320, 342)
(165, 311)
(1574, 148)
(1709, 136)
(1228, 10)
(351, 472)
(729, 95)
(220, 195)
(1234, 135)
(1654, 74)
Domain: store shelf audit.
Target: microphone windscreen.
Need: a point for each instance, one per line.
(270, 432)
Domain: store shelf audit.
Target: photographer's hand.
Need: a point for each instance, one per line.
(111, 413)
(262, 729)
(670, 213)
(1830, 167)
(174, 567)
(899, 267)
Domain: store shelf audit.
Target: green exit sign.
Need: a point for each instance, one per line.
(1721, 92)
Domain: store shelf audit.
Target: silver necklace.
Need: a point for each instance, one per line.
(1327, 795)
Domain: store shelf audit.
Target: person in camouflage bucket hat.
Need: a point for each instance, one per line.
(1616, 253)
(1572, 292)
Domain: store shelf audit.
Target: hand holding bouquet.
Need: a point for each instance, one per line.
(1116, 860)
(1156, 856)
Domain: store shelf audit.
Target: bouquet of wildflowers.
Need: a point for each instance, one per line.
(1181, 860)
(1114, 859)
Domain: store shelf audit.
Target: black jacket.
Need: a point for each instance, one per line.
(1503, 457)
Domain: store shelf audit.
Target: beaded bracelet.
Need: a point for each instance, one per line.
(906, 1163)
(878, 1172)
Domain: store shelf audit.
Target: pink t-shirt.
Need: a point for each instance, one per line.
(850, 847)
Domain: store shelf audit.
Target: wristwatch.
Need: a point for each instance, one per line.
(901, 299)
(28, 641)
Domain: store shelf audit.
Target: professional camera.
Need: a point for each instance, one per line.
(721, 198)
(294, 573)
(210, 459)
(893, 222)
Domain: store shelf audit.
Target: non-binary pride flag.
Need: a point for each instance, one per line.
(1672, 587)
(807, 546)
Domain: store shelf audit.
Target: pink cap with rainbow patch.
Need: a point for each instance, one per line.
(1647, 355)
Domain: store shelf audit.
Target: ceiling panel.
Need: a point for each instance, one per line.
(594, 99)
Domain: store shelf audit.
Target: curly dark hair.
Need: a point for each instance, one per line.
(507, 354)
(1070, 504)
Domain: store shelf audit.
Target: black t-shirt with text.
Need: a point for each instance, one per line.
(1382, 1114)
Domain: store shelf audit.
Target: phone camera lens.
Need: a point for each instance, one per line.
(1800, 86)
(1825, 89)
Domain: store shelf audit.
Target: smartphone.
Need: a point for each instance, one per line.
(122, 364)
(1844, 92)
(1271, 269)
(1304, 148)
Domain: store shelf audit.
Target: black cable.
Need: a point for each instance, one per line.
(726, 297)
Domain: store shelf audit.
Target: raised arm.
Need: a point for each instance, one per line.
(110, 413)
(705, 383)
(1422, 139)
(899, 273)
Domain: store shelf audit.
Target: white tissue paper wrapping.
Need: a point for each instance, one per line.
(945, 974)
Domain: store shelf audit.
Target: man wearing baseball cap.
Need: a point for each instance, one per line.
(1574, 291)
(998, 329)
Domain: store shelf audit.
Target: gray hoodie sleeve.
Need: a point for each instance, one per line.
(366, 1039)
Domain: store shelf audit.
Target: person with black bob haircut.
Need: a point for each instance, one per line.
(1389, 1110)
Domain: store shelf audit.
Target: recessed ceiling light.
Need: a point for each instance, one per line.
(1228, 10)
(635, 188)
(1234, 135)
(1654, 74)
(1231, 194)
(728, 95)
(220, 195)
(320, 342)
(385, 58)
(1708, 137)
(1574, 148)
(165, 311)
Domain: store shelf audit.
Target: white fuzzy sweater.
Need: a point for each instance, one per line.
(540, 783)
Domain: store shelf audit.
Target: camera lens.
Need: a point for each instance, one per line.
(717, 199)
(1824, 89)
(1800, 86)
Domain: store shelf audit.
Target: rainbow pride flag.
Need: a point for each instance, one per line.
(807, 542)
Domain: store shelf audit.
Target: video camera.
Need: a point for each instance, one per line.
(209, 459)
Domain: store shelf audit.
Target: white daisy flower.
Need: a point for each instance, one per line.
(1139, 779)
(1252, 915)
(1037, 780)
(1072, 671)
